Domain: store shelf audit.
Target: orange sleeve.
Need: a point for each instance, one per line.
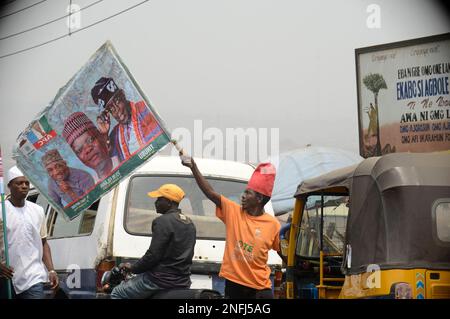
(276, 241)
(227, 207)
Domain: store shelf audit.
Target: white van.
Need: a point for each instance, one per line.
(117, 228)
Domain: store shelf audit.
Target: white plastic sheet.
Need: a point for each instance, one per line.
(295, 166)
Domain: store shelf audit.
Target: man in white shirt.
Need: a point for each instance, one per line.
(29, 253)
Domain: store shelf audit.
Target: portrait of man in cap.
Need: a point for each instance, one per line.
(89, 145)
(66, 184)
(135, 126)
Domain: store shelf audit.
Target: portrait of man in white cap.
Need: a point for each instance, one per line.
(65, 184)
(136, 125)
(30, 257)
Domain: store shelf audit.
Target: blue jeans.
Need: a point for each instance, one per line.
(4, 288)
(139, 287)
(34, 292)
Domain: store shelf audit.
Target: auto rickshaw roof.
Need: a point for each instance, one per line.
(391, 170)
(392, 219)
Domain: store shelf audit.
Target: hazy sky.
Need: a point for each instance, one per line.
(284, 64)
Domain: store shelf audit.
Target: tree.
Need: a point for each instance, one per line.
(374, 83)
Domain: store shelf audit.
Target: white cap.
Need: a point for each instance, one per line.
(13, 172)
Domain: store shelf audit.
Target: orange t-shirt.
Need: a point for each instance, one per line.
(249, 239)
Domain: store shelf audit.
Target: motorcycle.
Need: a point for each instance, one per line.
(115, 276)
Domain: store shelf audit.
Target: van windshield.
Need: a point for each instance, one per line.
(140, 209)
(335, 212)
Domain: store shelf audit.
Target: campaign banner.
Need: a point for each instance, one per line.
(403, 96)
(97, 130)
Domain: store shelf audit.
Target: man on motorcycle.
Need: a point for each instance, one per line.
(167, 263)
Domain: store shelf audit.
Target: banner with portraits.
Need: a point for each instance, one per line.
(98, 129)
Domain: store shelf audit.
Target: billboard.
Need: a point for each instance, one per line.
(403, 96)
(96, 131)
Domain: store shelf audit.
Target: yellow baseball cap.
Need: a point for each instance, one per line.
(169, 191)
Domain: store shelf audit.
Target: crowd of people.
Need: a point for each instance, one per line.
(250, 234)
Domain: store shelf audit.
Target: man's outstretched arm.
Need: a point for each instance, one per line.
(201, 181)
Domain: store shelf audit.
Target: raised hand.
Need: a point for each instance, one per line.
(66, 188)
(186, 160)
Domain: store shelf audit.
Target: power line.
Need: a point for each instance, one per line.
(49, 22)
(66, 35)
(10, 14)
(110, 17)
(33, 47)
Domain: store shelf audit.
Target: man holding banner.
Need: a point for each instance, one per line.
(250, 233)
(29, 252)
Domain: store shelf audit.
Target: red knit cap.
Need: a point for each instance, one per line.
(75, 125)
(262, 179)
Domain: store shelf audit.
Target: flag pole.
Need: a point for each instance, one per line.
(180, 150)
(5, 235)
